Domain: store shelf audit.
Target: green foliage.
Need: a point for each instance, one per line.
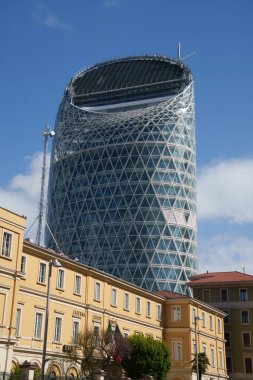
(16, 373)
(203, 363)
(148, 357)
(37, 374)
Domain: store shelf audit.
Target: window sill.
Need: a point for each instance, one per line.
(9, 258)
(41, 283)
(77, 294)
(60, 289)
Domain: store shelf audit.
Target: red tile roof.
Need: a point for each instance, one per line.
(219, 277)
(168, 294)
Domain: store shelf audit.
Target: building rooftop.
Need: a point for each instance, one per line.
(171, 295)
(219, 277)
(128, 79)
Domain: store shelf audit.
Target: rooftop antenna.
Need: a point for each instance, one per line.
(47, 133)
(179, 52)
(243, 268)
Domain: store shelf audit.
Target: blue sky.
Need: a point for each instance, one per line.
(45, 42)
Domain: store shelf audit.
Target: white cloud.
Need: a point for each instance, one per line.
(45, 18)
(225, 190)
(226, 253)
(23, 192)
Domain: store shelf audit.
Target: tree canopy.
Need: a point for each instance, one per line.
(203, 363)
(148, 357)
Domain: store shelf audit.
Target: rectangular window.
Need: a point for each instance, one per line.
(194, 314)
(18, 318)
(246, 339)
(176, 350)
(203, 317)
(220, 359)
(219, 325)
(57, 329)
(148, 309)
(23, 264)
(126, 301)
(211, 322)
(42, 273)
(77, 284)
(138, 305)
(206, 295)
(248, 365)
(114, 297)
(158, 312)
(60, 279)
(176, 313)
(227, 336)
(38, 325)
(204, 348)
(244, 316)
(212, 357)
(96, 333)
(229, 363)
(75, 332)
(224, 295)
(97, 291)
(243, 295)
(6, 244)
(226, 318)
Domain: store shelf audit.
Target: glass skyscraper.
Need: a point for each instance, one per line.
(122, 189)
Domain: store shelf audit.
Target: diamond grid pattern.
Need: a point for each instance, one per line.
(123, 191)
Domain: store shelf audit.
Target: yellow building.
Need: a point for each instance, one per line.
(83, 297)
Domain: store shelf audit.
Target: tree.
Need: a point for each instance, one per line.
(104, 351)
(148, 357)
(203, 363)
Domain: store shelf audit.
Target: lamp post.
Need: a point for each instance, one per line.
(197, 318)
(57, 264)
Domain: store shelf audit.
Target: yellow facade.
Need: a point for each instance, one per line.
(82, 297)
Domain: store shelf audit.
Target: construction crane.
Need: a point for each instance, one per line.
(47, 133)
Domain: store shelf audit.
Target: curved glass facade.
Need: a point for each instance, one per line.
(122, 193)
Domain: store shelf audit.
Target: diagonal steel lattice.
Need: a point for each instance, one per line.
(122, 194)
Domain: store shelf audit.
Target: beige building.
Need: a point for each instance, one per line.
(82, 297)
(231, 292)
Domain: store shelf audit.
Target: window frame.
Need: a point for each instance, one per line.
(245, 365)
(247, 313)
(114, 297)
(58, 328)
(177, 349)
(39, 280)
(176, 313)
(243, 341)
(138, 305)
(245, 297)
(158, 312)
(35, 330)
(74, 335)
(97, 291)
(211, 322)
(221, 295)
(18, 320)
(212, 357)
(148, 309)
(77, 291)
(220, 356)
(227, 340)
(126, 302)
(3, 244)
(203, 316)
(60, 282)
(23, 265)
(219, 325)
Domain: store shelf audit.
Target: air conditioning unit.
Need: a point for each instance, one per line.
(66, 348)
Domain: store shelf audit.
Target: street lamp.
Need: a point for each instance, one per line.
(57, 264)
(197, 318)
